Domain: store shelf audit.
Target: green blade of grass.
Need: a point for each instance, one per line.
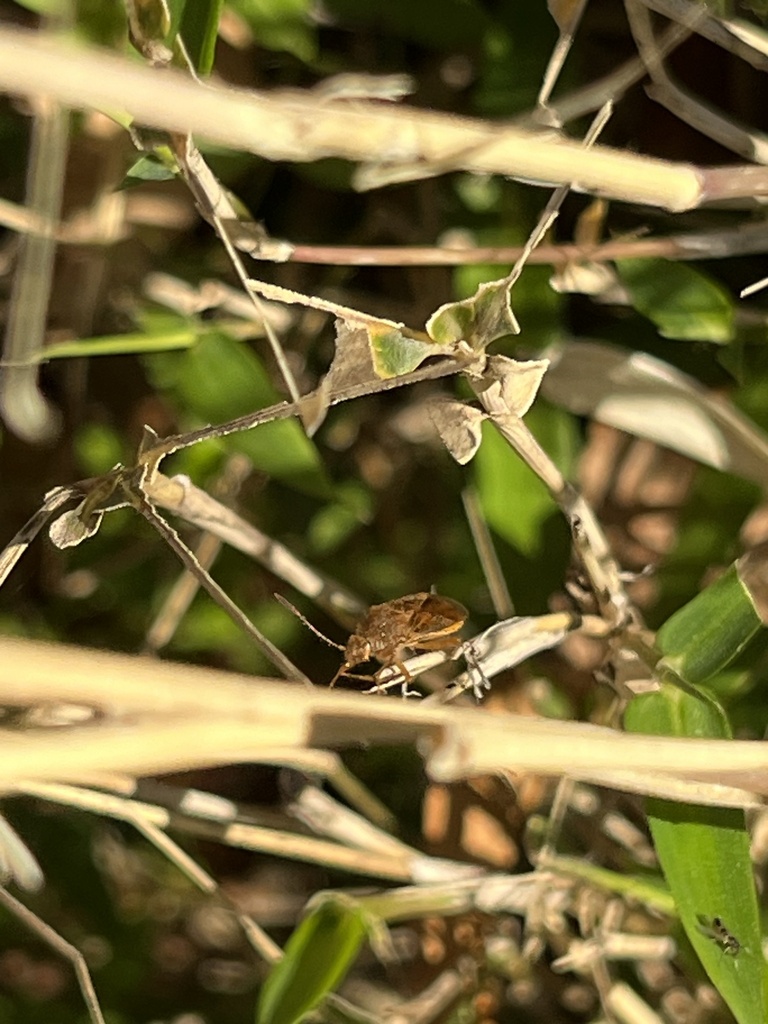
(317, 957)
(700, 639)
(199, 28)
(704, 851)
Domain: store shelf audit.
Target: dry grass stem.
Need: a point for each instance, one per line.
(181, 717)
(300, 126)
(60, 945)
(23, 407)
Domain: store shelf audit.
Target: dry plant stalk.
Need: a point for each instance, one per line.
(186, 717)
(300, 126)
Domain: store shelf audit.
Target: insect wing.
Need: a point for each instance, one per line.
(391, 625)
(716, 930)
(435, 618)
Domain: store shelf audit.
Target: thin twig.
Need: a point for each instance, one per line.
(257, 937)
(615, 84)
(486, 552)
(206, 551)
(746, 239)
(601, 566)
(220, 596)
(281, 411)
(16, 547)
(568, 20)
(62, 947)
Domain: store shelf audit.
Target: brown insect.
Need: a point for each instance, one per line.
(419, 622)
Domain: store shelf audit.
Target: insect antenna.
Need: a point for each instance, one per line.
(287, 604)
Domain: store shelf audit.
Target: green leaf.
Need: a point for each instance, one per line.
(148, 168)
(281, 25)
(206, 628)
(337, 520)
(220, 379)
(701, 638)
(95, 21)
(98, 448)
(163, 332)
(513, 499)
(46, 8)
(198, 27)
(704, 853)
(682, 302)
(317, 957)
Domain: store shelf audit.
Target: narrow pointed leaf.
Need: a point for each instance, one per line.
(199, 28)
(317, 957)
(704, 853)
(701, 638)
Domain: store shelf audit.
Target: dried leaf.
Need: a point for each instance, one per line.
(313, 408)
(518, 381)
(645, 396)
(751, 35)
(17, 862)
(459, 426)
(591, 223)
(587, 278)
(13, 551)
(352, 366)
(479, 320)
(565, 13)
(250, 236)
(363, 86)
(582, 276)
(371, 350)
(379, 173)
(367, 351)
(352, 361)
(279, 294)
(510, 642)
(70, 529)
